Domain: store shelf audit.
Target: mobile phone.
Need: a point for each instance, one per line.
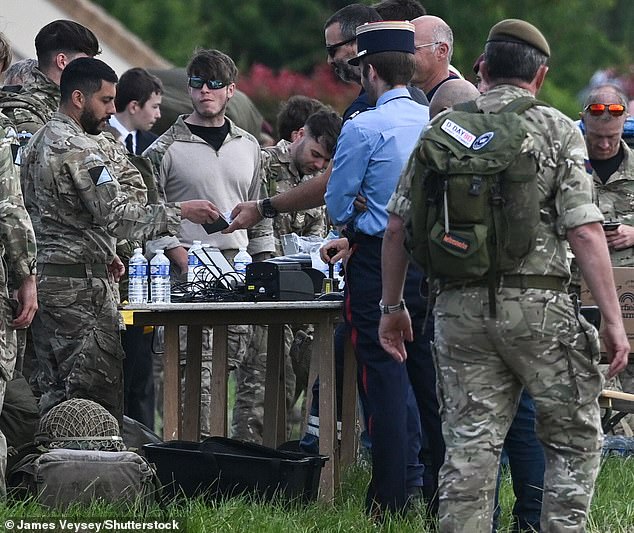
(610, 225)
(14, 307)
(216, 225)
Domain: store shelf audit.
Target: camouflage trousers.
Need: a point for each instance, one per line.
(248, 411)
(8, 350)
(77, 345)
(237, 341)
(482, 363)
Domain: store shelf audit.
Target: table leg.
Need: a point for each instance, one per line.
(219, 375)
(193, 369)
(274, 431)
(349, 406)
(171, 385)
(324, 349)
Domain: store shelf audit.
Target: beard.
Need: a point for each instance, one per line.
(211, 115)
(92, 124)
(346, 72)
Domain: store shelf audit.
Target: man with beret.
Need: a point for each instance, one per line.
(371, 152)
(536, 339)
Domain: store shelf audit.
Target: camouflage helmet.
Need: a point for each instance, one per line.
(81, 424)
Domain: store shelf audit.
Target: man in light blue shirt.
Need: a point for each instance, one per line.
(371, 152)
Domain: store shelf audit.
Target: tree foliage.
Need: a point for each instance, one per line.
(585, 35)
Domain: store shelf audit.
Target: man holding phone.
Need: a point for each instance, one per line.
(611, 163)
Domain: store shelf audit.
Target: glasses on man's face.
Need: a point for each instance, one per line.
(426, 45)
(332, 48)
(616, 110)
(196, 82)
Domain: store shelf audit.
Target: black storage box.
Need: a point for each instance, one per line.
(222, 467)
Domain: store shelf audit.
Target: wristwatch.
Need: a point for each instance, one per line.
(389, 309)
(266, 209)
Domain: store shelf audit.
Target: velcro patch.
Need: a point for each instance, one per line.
(100, 175)
(456, 131)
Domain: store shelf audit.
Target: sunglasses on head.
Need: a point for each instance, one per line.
(332, 48)
(616, 110)
(195, 82)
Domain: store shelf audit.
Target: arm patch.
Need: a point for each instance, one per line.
(100, 175)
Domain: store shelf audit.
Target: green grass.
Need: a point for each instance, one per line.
(612, 510)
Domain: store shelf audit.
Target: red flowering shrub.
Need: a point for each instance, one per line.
(267, 88)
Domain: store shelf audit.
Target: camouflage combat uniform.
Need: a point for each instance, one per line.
(78, 210)
(536, 341)
(17, 245)
(29, 109)
(170, 155)
(280, 174)
(34, 105)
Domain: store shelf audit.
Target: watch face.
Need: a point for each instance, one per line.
(268, 210)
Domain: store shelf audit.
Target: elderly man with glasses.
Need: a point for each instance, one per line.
(434, 47)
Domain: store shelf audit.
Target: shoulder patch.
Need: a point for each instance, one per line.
(100, 175)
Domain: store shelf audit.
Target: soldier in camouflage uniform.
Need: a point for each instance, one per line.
(17, 244)
(78, 210)
(205, 154)
(537, 339)
(283, 167)
(56, 45)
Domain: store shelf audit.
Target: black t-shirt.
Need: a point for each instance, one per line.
(606, 167)
(214, 136)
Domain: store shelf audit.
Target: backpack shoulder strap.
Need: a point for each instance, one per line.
(469, 107)
(521, 104)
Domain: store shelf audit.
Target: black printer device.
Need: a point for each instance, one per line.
(281, 280)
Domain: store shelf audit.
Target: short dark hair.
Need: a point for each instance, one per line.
(324, 126)
(212, 65)
(294, 113)
(400, 9)
(85, 74)
(64, 36)
(351, 16)
(394, 68)
(512, 61)
(136, 84)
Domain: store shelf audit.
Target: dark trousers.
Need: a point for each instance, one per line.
(392, 415)
(138, 378)
(526, 461)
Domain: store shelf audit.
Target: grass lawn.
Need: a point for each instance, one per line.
(612, 510)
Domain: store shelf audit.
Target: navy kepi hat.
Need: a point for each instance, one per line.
(386, 36)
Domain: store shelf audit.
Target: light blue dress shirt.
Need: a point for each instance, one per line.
(371, 152)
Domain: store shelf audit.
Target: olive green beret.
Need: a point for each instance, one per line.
(519, 31)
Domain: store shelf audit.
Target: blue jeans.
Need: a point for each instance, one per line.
(526, 461)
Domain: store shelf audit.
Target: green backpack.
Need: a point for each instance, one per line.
(474, 196)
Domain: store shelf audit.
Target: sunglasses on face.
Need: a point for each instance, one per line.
(616, 110)
(332, 48)
(196, 82)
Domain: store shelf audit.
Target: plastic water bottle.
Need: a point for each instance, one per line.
(241, 260)
(160, 278)
(194, 263)
(137, 274)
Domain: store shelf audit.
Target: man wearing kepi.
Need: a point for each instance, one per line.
(78, 210)
(524, 332)
(372, 149)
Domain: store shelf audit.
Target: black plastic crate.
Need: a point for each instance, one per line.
(222, 467)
